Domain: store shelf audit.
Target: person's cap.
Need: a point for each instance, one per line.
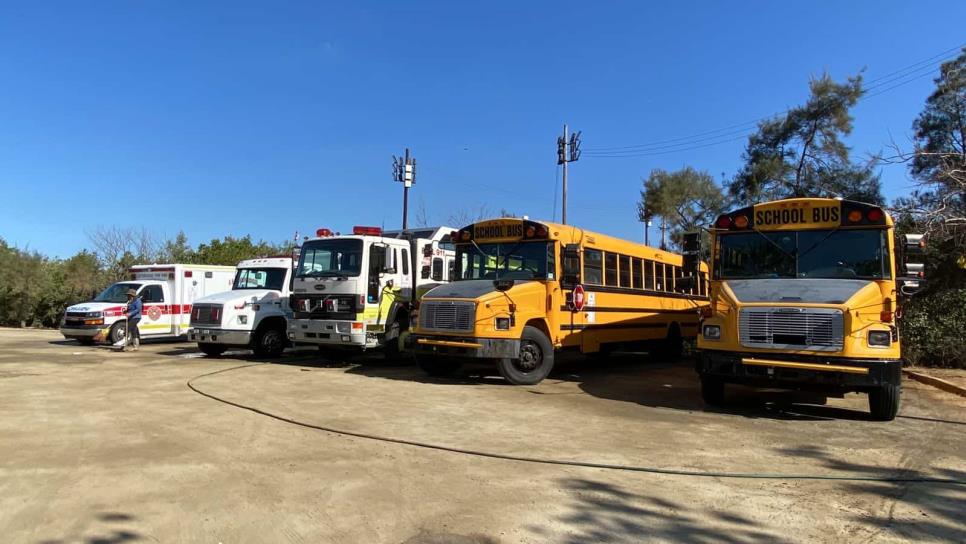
(132, 293)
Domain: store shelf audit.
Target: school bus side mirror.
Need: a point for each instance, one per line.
(912, 274)
(570, 277)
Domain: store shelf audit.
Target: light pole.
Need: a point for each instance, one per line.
(404, 171)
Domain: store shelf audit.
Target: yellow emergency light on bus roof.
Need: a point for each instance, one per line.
(803, 213)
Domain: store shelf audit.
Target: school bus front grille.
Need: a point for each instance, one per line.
(445, 315)
(819, 329)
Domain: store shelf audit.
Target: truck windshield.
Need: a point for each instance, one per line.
(259, 278)
(508, 260)
(330, 258)
(862, 254)
(116, 292)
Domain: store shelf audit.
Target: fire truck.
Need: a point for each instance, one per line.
(357, 291)
(167, 292)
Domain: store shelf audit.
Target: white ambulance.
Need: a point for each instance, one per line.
(357, 291)
(253, 315)
(167, 292)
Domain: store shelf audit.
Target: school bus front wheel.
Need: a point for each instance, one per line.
(534, 361)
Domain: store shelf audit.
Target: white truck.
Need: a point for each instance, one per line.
(357, 291)
(167, 292)
(253, 315)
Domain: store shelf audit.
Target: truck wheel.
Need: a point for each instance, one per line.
(437, 366)
(534, 362)
(671, 348)
(392, 347)
(118, 332)
(884, 402)
(712, 390)
(269, 342)
(212, 350)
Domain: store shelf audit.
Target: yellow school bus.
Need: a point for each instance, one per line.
(804, 295)
(518, 286)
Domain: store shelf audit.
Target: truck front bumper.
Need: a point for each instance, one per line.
(799, 371)
(479, 348)
(82, 332)
(330, 332)
(220, 336)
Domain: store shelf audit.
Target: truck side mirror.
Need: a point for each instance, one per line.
(570, 276)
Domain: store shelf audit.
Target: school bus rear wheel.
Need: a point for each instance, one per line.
(534, 362)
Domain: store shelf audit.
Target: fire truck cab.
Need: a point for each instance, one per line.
(358, 291)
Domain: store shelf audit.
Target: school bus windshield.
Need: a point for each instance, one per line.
(507, 260)
(859, 254)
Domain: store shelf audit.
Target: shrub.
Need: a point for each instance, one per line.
(933, 329)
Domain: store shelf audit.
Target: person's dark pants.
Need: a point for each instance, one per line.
(132, 330)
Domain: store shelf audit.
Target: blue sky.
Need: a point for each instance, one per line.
(266, 118)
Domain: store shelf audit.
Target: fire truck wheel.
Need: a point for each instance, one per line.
(534, 362)
(437, 366)
(117, 333)
(712, 390)
(391, 348)
(269, 342)
(212, 350)
(884, 402)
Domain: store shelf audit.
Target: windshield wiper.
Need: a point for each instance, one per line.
(780, 248)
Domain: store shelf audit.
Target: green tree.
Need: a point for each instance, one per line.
(802, 153)
(230, 250)
(686, 200)
(178, 250)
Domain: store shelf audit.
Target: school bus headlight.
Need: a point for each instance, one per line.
(712, 332)
(880, 338)
(503, 323)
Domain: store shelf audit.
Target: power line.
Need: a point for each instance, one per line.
(917, 69)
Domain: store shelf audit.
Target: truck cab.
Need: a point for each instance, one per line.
(356, 291)
(252, 315)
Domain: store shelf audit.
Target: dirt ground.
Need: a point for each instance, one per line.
(105, 447)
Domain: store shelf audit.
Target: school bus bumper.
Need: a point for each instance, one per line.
(786, 370)
(483, 348)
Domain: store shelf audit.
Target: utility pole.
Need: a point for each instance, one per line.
(663, 231)
(404, 171)
(568, 150)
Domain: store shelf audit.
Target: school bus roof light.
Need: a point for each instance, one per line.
(855, 216)
(723, 222)
(741, 222)
(875, 215)
(542, 230)
(531, 231)
(465, 236)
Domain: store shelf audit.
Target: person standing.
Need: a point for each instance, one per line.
(133, 314)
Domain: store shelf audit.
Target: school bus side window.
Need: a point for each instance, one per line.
(636, 265)
(659, 276)
(648, 275)
(592, 267)
(610, 269)
(625, 271)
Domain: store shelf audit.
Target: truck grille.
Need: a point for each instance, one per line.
(818, 329)
(447, 315)
(206, 314)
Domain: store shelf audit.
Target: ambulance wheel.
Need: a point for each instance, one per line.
(437, 366)
(117, 333)
(712, 390)
(269, 342)
(212, 350)
(884, 402)
(534, 362)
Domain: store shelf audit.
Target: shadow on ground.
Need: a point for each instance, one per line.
(937, 508)
(110, 530)
(602, 512)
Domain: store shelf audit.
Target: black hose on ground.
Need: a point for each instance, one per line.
(563, 462)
